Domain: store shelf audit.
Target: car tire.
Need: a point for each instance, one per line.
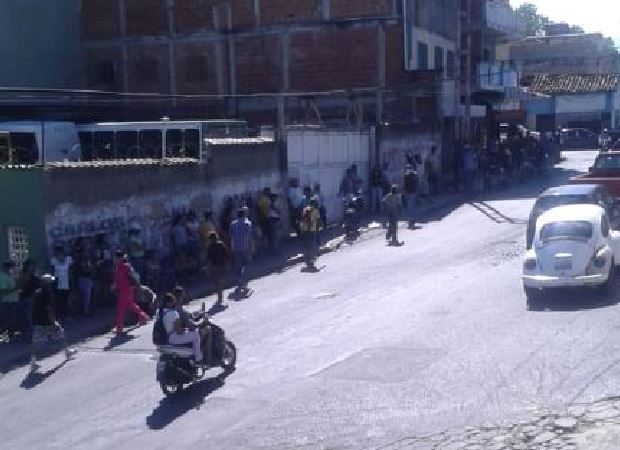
(534, 298)
(609, 284)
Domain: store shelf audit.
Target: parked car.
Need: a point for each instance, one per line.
(569, 194)
(573, 246)
(579, 138)
(605, 171)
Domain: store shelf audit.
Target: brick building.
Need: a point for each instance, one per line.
(338, 60)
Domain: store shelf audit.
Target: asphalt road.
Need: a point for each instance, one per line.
(384, 343)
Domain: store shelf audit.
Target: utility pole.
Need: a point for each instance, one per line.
(468, 71)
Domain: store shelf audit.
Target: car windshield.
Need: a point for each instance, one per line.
(566, 230)
(547, 202)
(608, 162)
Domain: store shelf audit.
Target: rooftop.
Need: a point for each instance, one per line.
(112, 163)
(571, 83)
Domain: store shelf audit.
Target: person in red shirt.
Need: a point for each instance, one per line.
(125, 283)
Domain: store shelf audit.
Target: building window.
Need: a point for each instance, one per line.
(422, 56)
(18, 245)
(105, 72)
(147, 70)
(450, 64)
(196, 69)
(439, 65)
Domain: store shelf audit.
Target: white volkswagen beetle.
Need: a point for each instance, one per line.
(573, 246)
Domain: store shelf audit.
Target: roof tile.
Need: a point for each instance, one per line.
(570, 83)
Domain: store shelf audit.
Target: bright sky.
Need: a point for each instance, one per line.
(593, 15)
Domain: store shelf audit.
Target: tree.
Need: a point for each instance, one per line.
(534, 22)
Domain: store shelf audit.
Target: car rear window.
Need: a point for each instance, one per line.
(569, 229)
(551, 201)
(608, 162)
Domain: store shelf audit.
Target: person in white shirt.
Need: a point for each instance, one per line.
(177, 335)
(61, 263)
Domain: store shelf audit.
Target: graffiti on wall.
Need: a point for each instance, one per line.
(394, 156)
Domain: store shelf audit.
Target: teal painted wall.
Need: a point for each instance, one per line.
(21, 204)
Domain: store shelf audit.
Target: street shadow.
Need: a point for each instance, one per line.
(118, 340)
(496, 215)
(239, 295)
(216, 309)
(573, 300)
(33, 379)
(172, 407)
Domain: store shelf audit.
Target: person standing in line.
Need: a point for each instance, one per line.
(28, 283)
(125, 284)
(411, 185)
(310, 225)
(85, 272)
(104, 268)
(9, 299)
(431, 172)
(193, 237)
(392, 206)
(46, 328)
(263, 205)
(61, 264)
(322, 208)
(377, 181)
(207, 227)
(241, 246)
(218, 258)
(275, 217)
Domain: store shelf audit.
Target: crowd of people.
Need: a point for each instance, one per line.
(86, 270)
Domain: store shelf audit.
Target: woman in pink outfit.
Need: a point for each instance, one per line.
(125, 283)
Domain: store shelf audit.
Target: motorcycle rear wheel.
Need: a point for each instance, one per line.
(229, 356)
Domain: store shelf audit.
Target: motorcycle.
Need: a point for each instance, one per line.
(353, 210)
(176, 367)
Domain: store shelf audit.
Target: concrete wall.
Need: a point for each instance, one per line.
(21, 205)
(395, 144)
(62, 203)
(323, 156)
(40, 43)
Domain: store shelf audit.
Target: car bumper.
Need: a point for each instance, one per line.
(544, 281)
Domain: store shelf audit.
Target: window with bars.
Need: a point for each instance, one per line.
(18, 245)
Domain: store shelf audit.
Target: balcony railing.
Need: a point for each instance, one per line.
(504, 20)
(497, 77)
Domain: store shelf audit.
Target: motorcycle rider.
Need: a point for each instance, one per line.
(187, 323)
(177, 335)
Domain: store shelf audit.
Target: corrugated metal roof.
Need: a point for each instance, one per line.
(571, 83)
(113, 163)
(239, 141)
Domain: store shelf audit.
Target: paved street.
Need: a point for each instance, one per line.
(384, 344)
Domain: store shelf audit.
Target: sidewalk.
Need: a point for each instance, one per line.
(79, 329)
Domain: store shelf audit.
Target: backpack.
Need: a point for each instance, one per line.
(160, 336)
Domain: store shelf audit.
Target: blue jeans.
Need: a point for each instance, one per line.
(240, 262)
(409, 201)
(85, 285)
(376, 195)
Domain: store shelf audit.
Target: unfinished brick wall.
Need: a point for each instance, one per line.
(346, 9)
(395, 74)
(192, 15)
(104, 68)
(257, 64)
(148, 68)
(243, 16)
(196, 67)
(288, 11)
(333, 58)
(146, 17)
(100, 19)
